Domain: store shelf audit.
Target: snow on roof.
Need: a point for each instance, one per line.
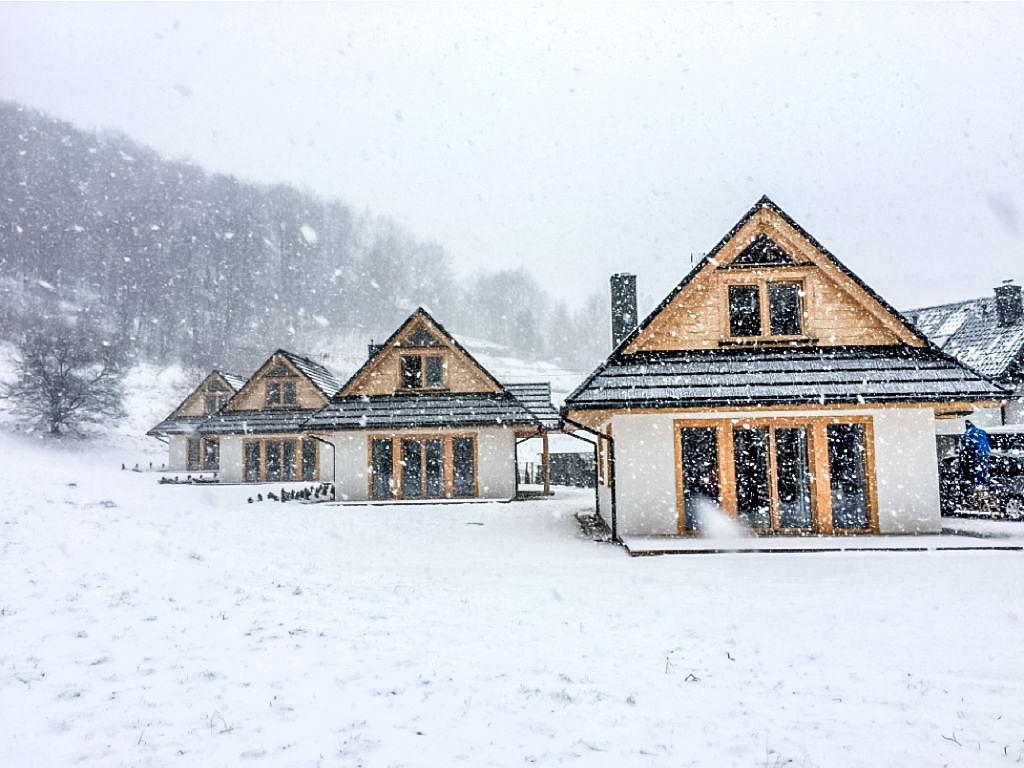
(325, 381)
(970, 332)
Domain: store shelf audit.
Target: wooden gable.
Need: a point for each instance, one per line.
(420, 335)
(214, 385)
(277, 371)
(766, 248)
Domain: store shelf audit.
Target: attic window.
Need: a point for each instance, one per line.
(422, 371)
(214, 403)
(775, 305)
(762, 251)
(422, 338)
(281, 393)
(744, 310)
(281, 370)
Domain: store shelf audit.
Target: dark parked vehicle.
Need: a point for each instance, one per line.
(1006, 493)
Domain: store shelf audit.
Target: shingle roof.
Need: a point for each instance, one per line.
(537, 397)
(236, 382)
(324, 380)
(970, 331)
(781, 376)
(177, 425)
(265, 421)
(419, 411)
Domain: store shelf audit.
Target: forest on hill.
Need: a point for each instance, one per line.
(179, 265)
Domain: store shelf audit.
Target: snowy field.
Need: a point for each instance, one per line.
(149, 625)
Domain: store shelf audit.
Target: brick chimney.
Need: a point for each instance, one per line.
(1009, 304)
(624, 317)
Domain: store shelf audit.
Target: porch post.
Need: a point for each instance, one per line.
(546, 461)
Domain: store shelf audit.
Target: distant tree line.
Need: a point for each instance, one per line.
(181, 265)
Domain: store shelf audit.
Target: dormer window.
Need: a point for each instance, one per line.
(422, 371)
(281, 393)
(214, 403)
(775, 305)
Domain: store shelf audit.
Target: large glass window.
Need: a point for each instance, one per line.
(753, 502)
(273, 394)
(289, 461)
(434, 461)
(383, 472)
(794, 477)
(700, 473)
(846, 458)
(412, 469)
(464, 466)
(744, 310)
(211, 453)
(252, 461)
(192, 457)
(274, 460)
(309, 473)
(784, 309)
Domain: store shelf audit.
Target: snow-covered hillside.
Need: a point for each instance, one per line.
(149, 625)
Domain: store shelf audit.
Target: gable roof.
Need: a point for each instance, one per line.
(536, 396)
(178, 424)
(384, 349)
(763, 375)
(740, 377)
(322, 378)
(711, 259)
(970, 332)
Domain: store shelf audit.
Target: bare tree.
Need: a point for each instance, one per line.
(68, 374)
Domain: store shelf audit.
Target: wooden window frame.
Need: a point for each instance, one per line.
(299, 459)
(201, 445)
(422, 386)
(218, 401)
(397, 470)
(283, 388)
(817, 454)
(761, 282)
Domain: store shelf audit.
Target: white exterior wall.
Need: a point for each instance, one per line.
(351, 464)
(645, 474)
(495, 470)
(230, 459)
(905, 468)
(177, 458)
(906, 472)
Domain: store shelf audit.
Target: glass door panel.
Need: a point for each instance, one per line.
(753, 502)
(252, 462)
(464, 466)
(383, 480)
(793, 478)
(273, 461)
(435, 468)
(289, 464)
(412, 469)
(700, 472)
(848, 475)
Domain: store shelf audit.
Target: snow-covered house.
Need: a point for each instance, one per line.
(773, 382)
(260, 429)
(986, 334)
(422, 419)
(187, 450)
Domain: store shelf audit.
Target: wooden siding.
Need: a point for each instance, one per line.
(195, 403)
(253, 396)
(383, 374)
(836, 310)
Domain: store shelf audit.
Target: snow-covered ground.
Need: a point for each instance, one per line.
(150, 625)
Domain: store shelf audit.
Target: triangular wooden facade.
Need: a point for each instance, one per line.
(277, 370)
(420, 333)
(766, 246)
(214, 386)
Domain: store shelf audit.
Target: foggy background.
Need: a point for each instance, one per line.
(559, 142)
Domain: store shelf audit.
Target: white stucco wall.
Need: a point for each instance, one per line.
(645, 476)
(906, 471)
(905, 466)
(177, 459)
(496, 476)
(230, 459)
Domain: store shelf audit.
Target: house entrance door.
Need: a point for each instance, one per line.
(773, 488)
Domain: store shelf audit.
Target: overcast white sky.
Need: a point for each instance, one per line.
(580, 140)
